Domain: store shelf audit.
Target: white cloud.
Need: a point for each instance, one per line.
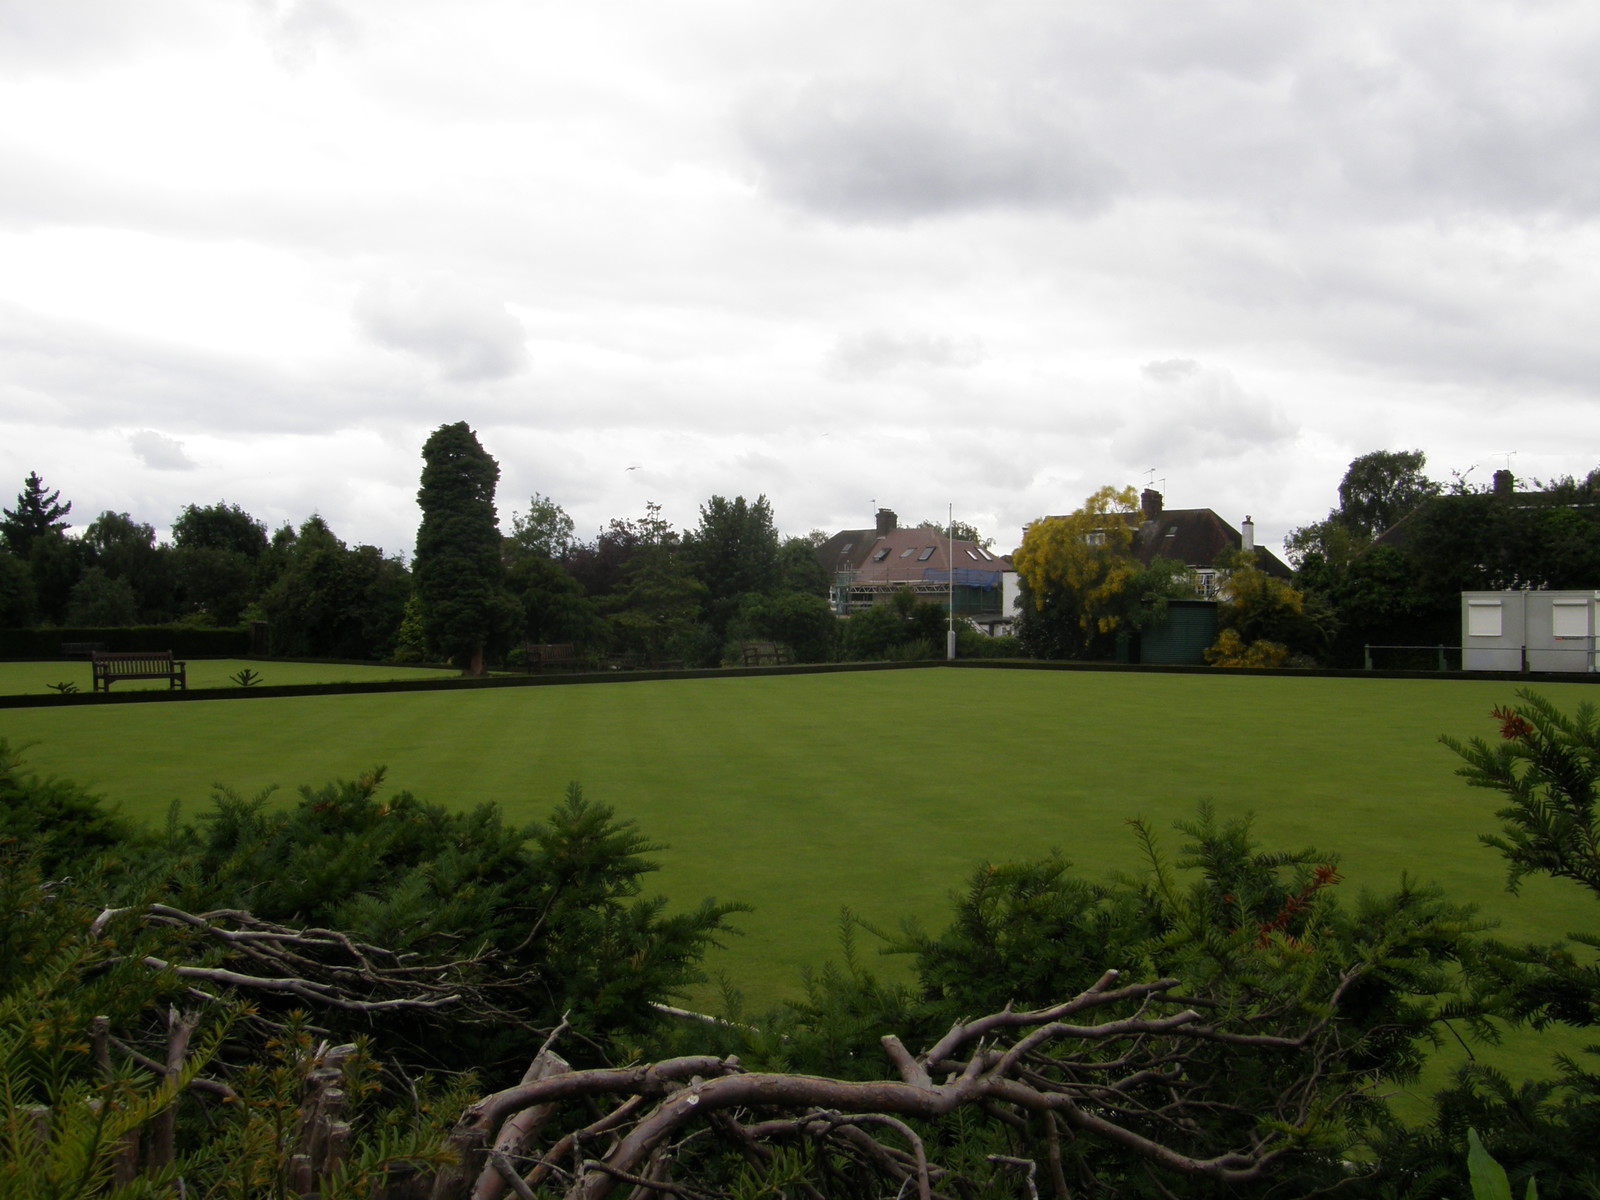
(297, 29)
(159, 452)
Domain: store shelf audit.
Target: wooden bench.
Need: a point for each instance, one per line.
(143, 664)
(540, 655)
(764, 654)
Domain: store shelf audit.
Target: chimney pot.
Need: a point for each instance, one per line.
(1247, 534)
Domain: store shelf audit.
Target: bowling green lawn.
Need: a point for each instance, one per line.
(879, 791)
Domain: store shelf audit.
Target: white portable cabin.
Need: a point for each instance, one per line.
(1529, 631)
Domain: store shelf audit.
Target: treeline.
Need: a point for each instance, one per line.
(1388, 564)
(1386, 567)
(343, 996)
(640, 589)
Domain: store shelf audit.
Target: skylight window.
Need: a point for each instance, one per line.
(880, 555)
(927, 553)
(908, 552)
(973, 556)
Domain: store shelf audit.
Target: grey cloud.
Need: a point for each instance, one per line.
(159, 452)
(1203, 418)
(86, 376)
(1398, 114)
(875, 352)
(469, 337)
(900, 149)
(1170, 370)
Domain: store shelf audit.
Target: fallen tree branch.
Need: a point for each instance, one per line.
(1119, 1080)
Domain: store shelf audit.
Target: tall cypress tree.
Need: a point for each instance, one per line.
(460, 580)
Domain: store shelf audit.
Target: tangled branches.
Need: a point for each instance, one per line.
(1108, 1064)
(322, 967)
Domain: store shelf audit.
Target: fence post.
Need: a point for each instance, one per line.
(1366, 652)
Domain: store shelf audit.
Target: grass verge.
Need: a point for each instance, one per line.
(879, 790)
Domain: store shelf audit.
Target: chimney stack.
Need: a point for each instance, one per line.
(1247, 535)
(887, 521)
(1505, 483)
(1150, 502)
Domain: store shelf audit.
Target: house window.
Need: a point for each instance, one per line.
(1483, 618)
(880, 555)
(1095, 537)
(1570, 618)
(927, 553)
(972, 556)
(908, 552)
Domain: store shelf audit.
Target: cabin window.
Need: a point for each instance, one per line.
(1483, 618)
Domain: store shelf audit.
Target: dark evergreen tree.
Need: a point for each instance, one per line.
(1545, 765)
(467, 611)
(37, 514)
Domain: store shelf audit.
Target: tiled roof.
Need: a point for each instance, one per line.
(846, 550)
(1196, 537)
(915, 555)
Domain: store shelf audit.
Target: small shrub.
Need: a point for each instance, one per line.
(246, 677)
(66, 687)
(1231, 651)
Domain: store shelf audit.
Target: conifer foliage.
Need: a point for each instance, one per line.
(38, 514)
(460, 579)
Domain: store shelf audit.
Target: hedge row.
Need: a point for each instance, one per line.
(184, 641)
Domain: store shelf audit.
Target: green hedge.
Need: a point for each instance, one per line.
(184, 641)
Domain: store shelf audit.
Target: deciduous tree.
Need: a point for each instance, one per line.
(1082, 584)
(544, 530)
(733, 552)
(126, 549)
(332, 601)
(217, 550)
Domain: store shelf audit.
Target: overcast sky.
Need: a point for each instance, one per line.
(905, 254)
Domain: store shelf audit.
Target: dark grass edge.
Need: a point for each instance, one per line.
(267, 691)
